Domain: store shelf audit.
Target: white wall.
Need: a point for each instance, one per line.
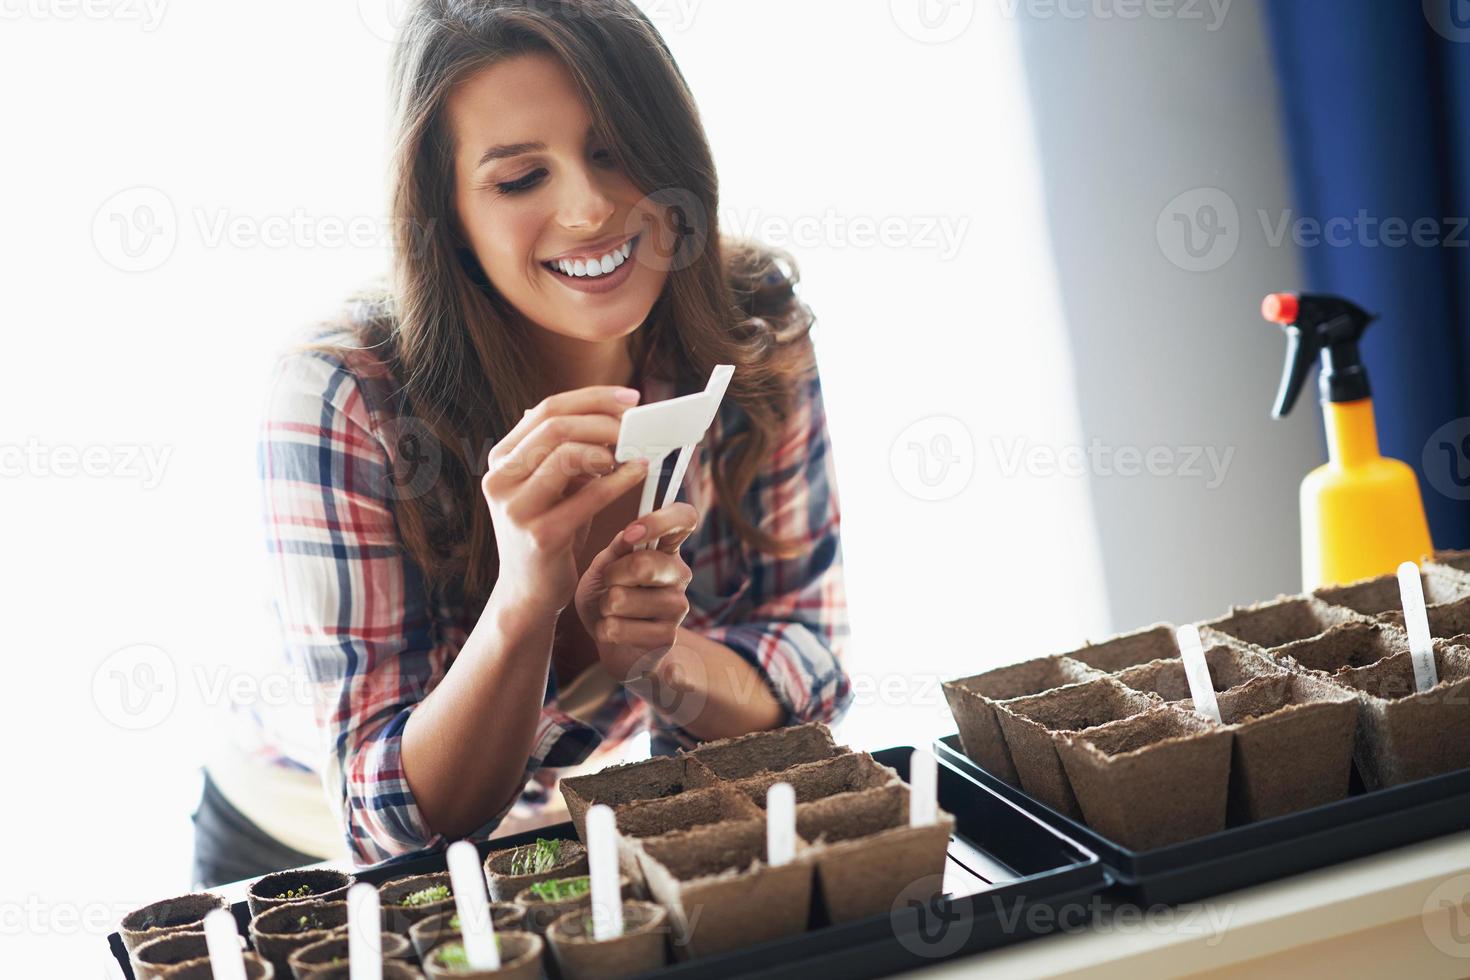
(1141, 121)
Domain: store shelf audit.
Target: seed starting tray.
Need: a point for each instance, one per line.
(1361, 824)
(1008, 877)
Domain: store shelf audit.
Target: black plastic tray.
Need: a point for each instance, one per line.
(1009, 877)
(1363, 823)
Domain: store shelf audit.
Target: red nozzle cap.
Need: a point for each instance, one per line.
(1280, 308)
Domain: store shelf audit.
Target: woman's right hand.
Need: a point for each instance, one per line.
(546, 480)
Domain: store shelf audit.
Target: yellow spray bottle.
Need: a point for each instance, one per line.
(1362, 515)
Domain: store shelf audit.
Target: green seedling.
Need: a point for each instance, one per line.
(427, 896)
(561, 889)
(301, 891)
(536, 859)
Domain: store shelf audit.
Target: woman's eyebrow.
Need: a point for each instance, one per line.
(507, 150)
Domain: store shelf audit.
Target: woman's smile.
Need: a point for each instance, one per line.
(598, 272)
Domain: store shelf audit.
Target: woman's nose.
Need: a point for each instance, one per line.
(584, 203)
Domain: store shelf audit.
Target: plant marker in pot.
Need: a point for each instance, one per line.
(364, 933)
(222, 940)
(602, 864)
(780, 824)
(1197, 672)
(923, 789)
(476, 928)
(1416, 621)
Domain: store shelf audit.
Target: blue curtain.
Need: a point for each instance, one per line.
(1375, 98)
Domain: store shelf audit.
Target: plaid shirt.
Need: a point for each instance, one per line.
(371, 639)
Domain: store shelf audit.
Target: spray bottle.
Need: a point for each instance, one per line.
(1361, 512)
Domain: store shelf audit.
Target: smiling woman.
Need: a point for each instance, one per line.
(452, 539)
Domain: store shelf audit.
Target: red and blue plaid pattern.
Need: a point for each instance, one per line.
(359, 623)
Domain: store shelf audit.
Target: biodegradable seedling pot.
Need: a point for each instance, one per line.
(408, 900)
(1271, 624)
(520, 959)
(1373, 596)
(642, 946)
(1404, 735)
(392, 970)
(256, 968)
(1155, 779)
(278, 932)
(1029, 724)
(1355, 644)
(311, 961)
(1154, 642)
(443, 927)
(815, 780)
(153, 958)
(1293, 745)
(510, 870)
(772, 751)
(695, 808)
(1229, 667)
(542, 911)
(1446, 620)
(649, 779)
(865, 852)
(972, 702)
(281, 887)
(719, 891)
(183, 914)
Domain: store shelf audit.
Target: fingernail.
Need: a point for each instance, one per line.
(634, 533)
(629, 396)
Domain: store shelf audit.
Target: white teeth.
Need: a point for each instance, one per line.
(592, 268)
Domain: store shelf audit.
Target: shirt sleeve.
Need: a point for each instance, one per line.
(791, 621)
(355, 614)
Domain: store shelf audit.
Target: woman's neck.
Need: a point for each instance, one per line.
(568, 363)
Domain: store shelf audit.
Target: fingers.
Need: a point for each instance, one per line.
(638, 633)
(630, 602)
(509, 468)
(675, 522)
(549, 483)
(580, 507)
(643, 569)
(599, 400)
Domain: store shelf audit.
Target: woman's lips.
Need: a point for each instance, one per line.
(600, 284)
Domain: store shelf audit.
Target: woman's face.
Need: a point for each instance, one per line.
(541, 201)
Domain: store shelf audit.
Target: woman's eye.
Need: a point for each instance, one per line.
(524, 184)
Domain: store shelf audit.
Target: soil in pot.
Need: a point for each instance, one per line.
(182, 914)
(1155, 779)
(642, 946)
(310, 961)
(649, 779)
(441, 928)
(520, 959)
(972, 702)
(321, 885)
(1029, 724)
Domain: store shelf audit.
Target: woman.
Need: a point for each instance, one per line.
(452, 541)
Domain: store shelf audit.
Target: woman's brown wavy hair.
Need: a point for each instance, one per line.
(463, 356)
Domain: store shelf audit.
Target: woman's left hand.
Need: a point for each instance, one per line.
(632, 602)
